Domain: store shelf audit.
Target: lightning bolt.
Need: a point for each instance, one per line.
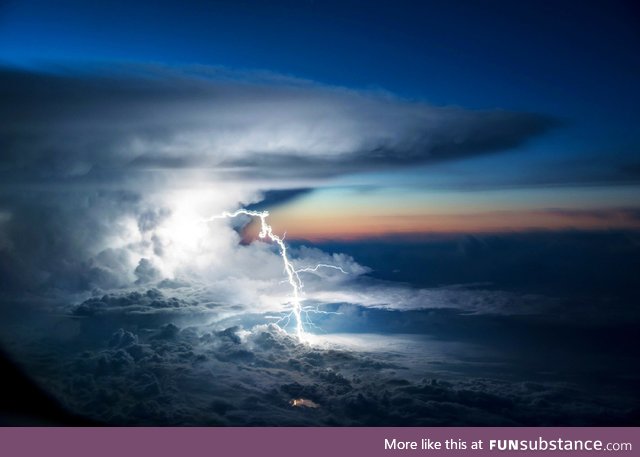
(292, 274)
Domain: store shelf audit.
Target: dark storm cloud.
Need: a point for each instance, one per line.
(147, 358)
(277, 197)
(202, 376)
(148, 302)
(56, 239)
(145, 308)
(74, 125)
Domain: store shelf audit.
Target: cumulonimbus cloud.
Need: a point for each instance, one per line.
(92, 161)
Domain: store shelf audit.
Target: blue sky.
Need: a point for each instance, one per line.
(556, 57)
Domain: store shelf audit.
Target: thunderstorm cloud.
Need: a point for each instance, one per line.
(132, 310)
(117, 164)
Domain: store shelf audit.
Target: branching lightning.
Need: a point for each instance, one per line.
(293, 278)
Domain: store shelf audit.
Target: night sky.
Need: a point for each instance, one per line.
(471, 170)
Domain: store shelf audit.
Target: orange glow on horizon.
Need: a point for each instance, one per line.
(316, 227)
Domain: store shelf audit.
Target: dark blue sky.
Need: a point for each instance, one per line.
(569, 58)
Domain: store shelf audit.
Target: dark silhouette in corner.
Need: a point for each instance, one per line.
(24, 403)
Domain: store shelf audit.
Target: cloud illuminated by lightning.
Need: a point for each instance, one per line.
(293, 277)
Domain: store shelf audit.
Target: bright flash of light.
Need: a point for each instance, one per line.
(293, 277)
(299, 402)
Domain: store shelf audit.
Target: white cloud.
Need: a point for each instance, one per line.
(107, 175)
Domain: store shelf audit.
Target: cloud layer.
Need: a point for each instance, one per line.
(210, 375)
(66, 124)
(107, 172)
